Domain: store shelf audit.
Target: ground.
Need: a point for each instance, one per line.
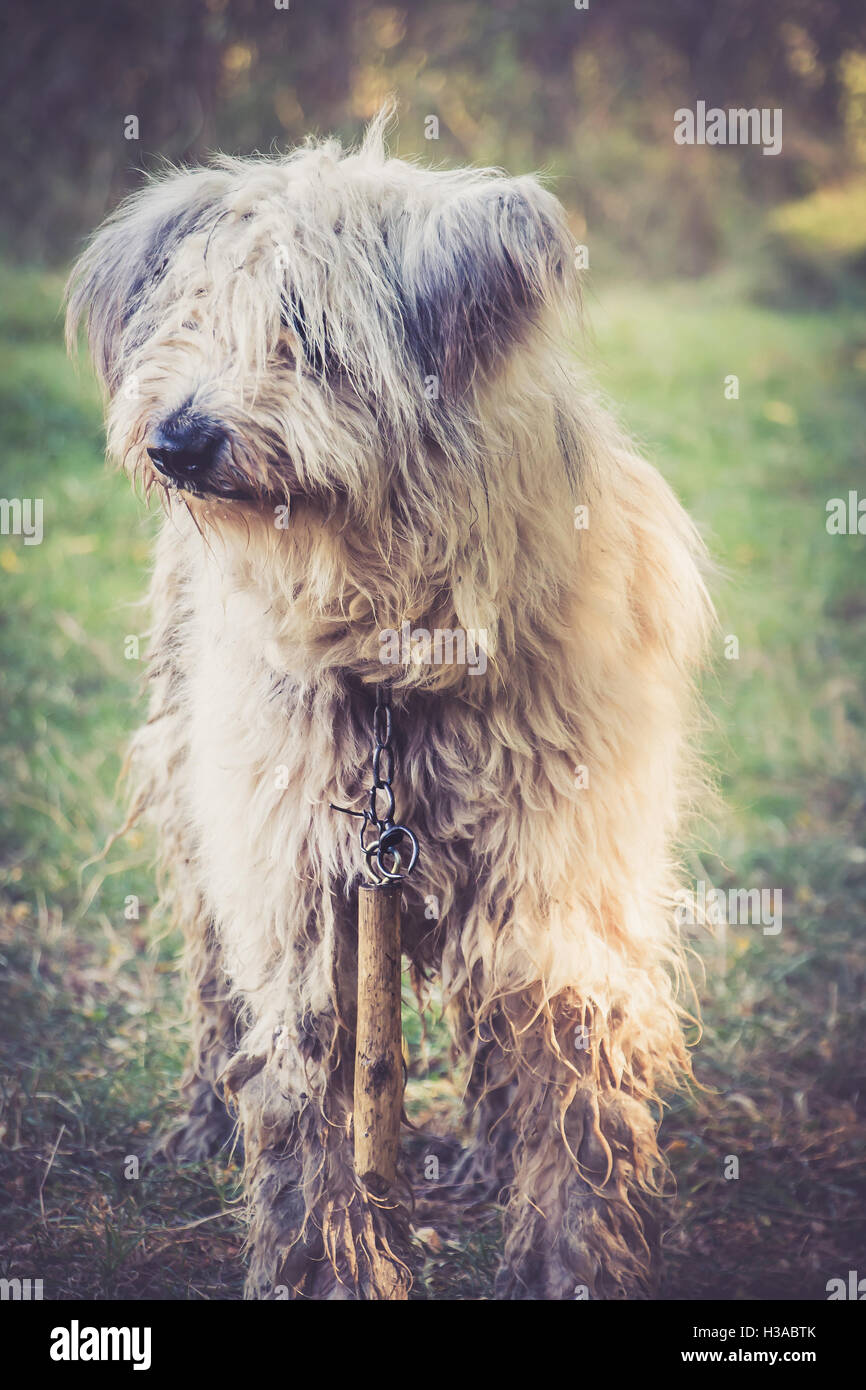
(92, 1044)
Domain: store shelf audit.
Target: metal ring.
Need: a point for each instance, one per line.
(385, 848)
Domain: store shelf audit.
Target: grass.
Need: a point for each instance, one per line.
(92, 1045)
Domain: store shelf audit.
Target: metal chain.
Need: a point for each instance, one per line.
(389, 836)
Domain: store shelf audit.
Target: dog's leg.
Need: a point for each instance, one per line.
(486, 1168)
(206, 1126)
(315, 1231)
(579, 1218)
(574, 1171)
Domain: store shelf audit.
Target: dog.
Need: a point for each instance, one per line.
(351, 380)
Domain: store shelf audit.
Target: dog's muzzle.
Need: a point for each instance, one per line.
(184, 449)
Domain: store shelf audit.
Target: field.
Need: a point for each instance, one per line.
(91, 1038)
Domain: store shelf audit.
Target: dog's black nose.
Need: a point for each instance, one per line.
(184, 447)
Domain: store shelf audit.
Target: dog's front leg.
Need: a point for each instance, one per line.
(573, 1148)
(315, 1231)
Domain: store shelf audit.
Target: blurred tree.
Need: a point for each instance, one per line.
(588, 94)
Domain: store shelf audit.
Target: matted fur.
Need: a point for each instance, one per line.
(305, 303)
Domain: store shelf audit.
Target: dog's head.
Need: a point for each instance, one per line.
(318, 326)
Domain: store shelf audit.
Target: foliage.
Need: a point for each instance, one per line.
(588, 95)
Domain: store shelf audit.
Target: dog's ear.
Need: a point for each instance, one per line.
(478, 271)
(127, 257)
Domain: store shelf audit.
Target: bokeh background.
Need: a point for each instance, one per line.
(704, 262)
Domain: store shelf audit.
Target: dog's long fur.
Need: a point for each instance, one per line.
(384, 347)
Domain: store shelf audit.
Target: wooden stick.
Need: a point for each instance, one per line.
(378, 1047)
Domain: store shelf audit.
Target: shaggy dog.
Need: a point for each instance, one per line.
(349, 377)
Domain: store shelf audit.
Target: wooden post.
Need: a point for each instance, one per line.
(378, 1047)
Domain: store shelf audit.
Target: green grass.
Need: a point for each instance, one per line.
(92, 1046)
(783, 1047)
